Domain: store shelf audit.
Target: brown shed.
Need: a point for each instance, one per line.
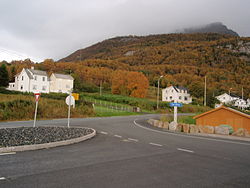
(226, 116)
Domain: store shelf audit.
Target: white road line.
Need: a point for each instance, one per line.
(2, 178)
(103, 132)
(186, 150)
(11, 153)
(118, 136)
(189, 136)
(154, 144)
(132, 139)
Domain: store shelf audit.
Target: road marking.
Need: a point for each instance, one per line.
(2, 178)
(189, 136)
(11, 153)
(132, 139)
(118, 136)
(186, 150)
(154, 144)
(125, 140)
(103, 132)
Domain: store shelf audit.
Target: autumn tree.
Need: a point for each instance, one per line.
(133, 84)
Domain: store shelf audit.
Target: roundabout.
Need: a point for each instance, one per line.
(29, 138)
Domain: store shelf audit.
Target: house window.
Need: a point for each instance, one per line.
(21, 87)
(43, 79)
(170, 97)
(185, 98)
(44, 88)
(34, 87)
(22, 77)
(35, 77)
(67, 86)
(172, 91)
(166, 98)
(180, 97)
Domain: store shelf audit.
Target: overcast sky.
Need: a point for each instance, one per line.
(42, 29)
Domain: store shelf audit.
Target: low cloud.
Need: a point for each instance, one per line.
(53, 29)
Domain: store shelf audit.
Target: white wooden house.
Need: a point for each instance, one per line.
(61, 83)
(36, 81)
(234, 100)
(176, 94)
(30, 80)
(226, 98)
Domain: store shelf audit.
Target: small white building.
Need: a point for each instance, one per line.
(30, 80)
(176, 94)
(61, 83)
(234, 100)
(36, 81)
(241, 103)
(226, 98)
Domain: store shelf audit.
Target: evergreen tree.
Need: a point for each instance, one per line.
(4, 76)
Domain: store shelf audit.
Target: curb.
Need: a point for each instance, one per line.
(225, 137)
(48, 145)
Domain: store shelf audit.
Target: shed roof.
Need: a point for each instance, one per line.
(223, 107)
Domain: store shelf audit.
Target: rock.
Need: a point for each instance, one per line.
(151, 121)
(247, 134)
(165, 125)
(241, 132)
(206, 129)
(156, 122)
(160, 124)
(179, 128)
(194, 129)
(173, 126)
(186, 128)
(230, 128)
(221, 130)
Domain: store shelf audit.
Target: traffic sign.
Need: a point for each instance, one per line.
(172, 104)
(76, 96)
(37, 96)
(70, 100)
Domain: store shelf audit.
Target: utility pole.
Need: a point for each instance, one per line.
(205, 92)
(158, 91)
(242, 95)
(100, 87)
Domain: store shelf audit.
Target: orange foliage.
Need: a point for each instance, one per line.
(134, 84)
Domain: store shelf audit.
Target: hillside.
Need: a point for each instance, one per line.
(184, 59)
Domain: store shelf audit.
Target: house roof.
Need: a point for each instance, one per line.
(63, 76)
(177, 88)
(231, 94)
(28, 73)
(223, 107)
(38, 72)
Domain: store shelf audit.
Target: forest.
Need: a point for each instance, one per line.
(130, 65)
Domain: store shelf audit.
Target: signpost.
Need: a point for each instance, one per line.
(37, 96)
(70, 100)
(175, 105)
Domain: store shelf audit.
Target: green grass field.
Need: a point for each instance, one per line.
(101, 111)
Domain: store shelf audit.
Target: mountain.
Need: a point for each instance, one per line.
(216, 27)
(183, 59)
(109, 48)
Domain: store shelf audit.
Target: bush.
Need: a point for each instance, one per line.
(186, 120)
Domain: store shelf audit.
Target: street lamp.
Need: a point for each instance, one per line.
(158, 90)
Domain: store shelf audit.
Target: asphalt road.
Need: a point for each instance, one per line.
(126, 154)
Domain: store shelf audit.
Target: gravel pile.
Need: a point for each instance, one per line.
(38, 135)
